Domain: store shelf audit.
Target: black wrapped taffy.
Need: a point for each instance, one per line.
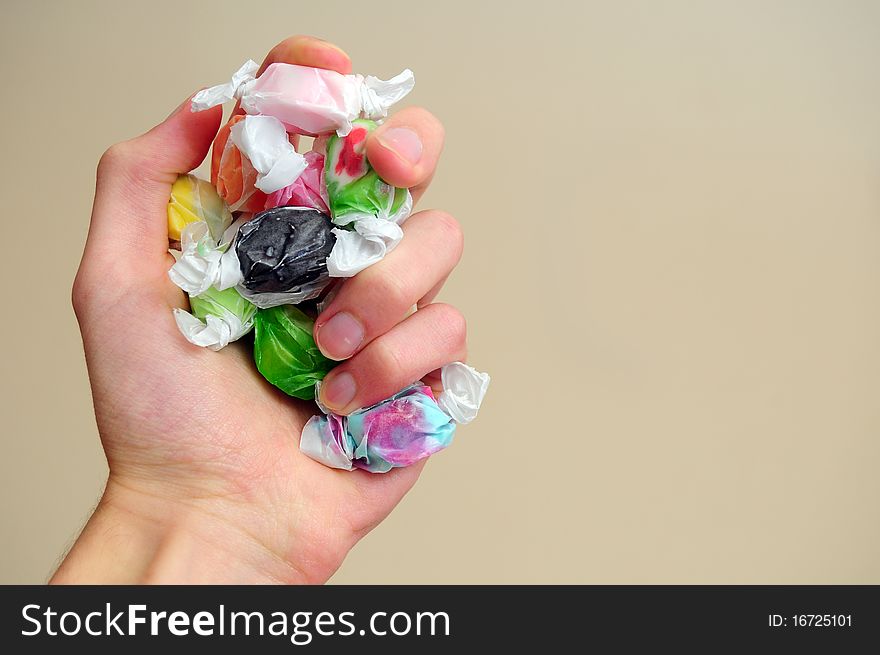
(282, 252)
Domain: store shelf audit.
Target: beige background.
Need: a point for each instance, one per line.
(672, 272)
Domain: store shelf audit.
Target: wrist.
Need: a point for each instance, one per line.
(134, 537)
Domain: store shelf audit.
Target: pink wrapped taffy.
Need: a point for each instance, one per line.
(310, 101)
(307, 190)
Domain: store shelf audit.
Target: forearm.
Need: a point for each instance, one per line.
(132, 538)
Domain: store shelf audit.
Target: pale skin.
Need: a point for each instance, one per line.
(206, 483)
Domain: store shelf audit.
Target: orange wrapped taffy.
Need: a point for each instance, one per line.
(254, 168)
(233, 175)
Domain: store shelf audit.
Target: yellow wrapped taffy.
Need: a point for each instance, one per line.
(193, 199)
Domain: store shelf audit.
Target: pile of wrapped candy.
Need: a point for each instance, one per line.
(260, 247)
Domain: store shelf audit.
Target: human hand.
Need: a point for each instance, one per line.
(207, 483)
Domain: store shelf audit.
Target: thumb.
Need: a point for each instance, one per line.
(128, 229)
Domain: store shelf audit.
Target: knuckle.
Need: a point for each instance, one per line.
(454, 324)
(393, 291)
(450, 231)
(81, 293)
(116, 159)
(387, 359)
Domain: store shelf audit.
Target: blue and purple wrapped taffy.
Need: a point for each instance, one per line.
(407, 427)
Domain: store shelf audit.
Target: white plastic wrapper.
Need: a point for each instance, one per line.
(372, 239)
(377, 96)
(264, 141)
(337, 452)
(215, 332)
(308, 100)
(217, 95)
(202, 262)
(265, 300)
(464, 388)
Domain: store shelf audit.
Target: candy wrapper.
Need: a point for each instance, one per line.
(285, 351)
(308, 190)
(203, 261)
(264, 141)
(310, 101)
(218, 318)
(464, 388)
(233, 175)
(194, 200)
(202, 223)
(275, 258)
(401, 430)
(282, 255)
(371, 208)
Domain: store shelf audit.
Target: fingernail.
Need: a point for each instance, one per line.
(339, 337)
(404, 142)
(338, 391)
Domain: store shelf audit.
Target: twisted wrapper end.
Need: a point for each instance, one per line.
(237, 87)
(264, 141)
(377, 96)
(464, 388)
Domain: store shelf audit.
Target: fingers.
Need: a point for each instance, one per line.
(376, 299)
(430, 338)
(129, 226)
(405, 149)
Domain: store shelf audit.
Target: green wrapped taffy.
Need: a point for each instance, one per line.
(216, 303)
(354, 189)
(286, 353)
(217, 318)
(368, 209)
